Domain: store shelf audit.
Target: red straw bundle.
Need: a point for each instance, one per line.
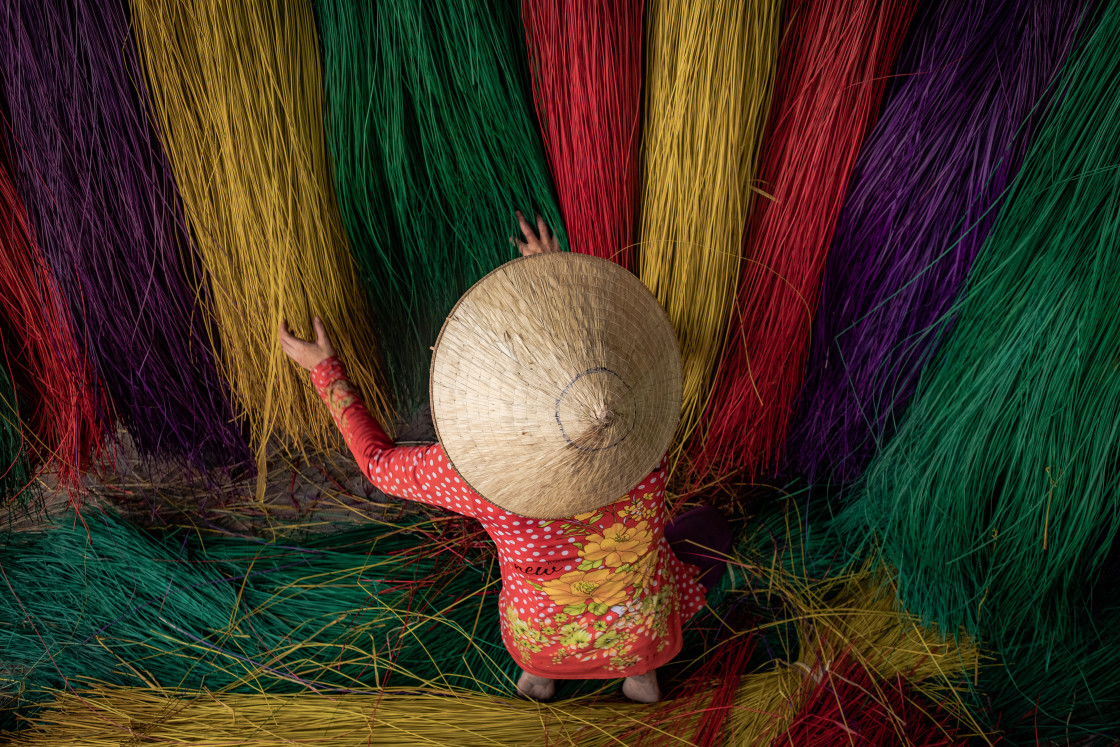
(64, 413)
(832, 72)
(586, 62)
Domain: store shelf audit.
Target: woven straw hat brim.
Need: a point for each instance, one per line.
(556, 384)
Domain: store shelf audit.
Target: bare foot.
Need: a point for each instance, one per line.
(536, 688)
(642, 687)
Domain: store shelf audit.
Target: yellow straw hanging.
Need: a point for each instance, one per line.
(709, 73)
(237, 94)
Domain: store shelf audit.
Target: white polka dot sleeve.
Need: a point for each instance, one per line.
(418, 473)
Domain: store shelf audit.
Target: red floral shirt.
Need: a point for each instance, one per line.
(596, 596)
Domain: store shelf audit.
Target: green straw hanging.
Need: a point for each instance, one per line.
(997, 499)
(430, 126)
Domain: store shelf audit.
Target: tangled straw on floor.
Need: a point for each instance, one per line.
(848, 619)
(997, 498)
(237, 95)
(353, 611)
(832, 72)
(848, 706)
(971, 87)
(709, 71)
(63, 418)
(434, 145)
(99, 191)
(586, 61)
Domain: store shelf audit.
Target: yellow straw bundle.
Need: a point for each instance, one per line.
(237, 93)
(853, 616)
(709, 73)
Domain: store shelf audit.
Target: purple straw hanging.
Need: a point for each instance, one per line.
(99, 191)
(972, 83)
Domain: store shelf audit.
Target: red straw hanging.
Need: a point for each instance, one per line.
(586, 62)
(832, 72)
(59, 404)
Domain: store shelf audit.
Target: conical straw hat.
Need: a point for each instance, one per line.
(556, 384)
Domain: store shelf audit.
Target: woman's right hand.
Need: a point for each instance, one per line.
(307, 354)
(544, 243)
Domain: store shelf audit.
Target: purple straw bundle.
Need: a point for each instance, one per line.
(972, 83)
(99, 191)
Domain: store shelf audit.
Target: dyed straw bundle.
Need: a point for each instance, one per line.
(413, 603)
(434, 145)
(847, 705)
(1072, 694)
(237, 93)
(855, 619)
(972, 84)
(709, 73)
(997, 497)
(62, 410)
(350, 612)
(13, 455)
(832, 71)
(586, 61)
(99, 190)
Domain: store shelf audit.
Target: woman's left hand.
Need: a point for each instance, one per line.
(307, 354)
(536, 242)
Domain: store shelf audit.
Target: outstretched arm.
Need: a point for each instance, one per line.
(419, 473)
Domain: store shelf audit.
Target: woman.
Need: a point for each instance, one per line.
(574, 375)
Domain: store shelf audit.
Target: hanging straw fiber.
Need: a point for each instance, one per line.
(997, 498)
(100, 193)
(13, 458)
(237, 93)
(58, 402)
(434, 147)
(924, 196)
(586, 60)
(709, 73)
(856, 621)
(832, 71)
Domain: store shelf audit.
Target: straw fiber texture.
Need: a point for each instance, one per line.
(13, 456)
(843, 628)
(556, 384)
(586, 61)
(997, 499)
(434, 143)
(971, 89)
(709, 72)
(237, 93)
(62, 409)
(832, 72)
(99, 191)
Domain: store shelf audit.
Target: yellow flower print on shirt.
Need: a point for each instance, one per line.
(597, 591)
(618, 544)
(573, 635)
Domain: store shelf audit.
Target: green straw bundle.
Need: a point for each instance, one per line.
(336, 613)
(997, 498)
(430, 125)
(408, 605)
